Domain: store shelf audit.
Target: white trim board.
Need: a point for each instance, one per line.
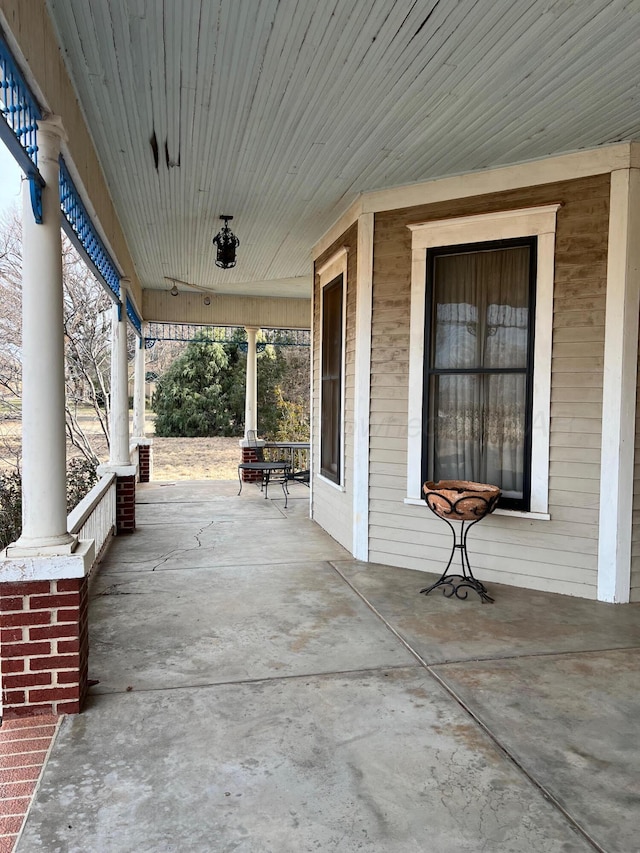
(503, 225)
(335, 266)
(362, 390)
(619, 388)
(312, 418)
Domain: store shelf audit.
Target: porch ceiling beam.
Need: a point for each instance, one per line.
(224, 310)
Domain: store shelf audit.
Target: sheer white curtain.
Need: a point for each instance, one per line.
(480, 321)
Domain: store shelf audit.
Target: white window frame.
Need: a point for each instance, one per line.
(328, 272)
(537, 222)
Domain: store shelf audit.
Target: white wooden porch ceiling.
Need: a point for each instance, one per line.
(280, 112)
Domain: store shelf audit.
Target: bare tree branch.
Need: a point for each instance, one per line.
(87, 330)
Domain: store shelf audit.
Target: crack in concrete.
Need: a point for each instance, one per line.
(199, 534)
(114, 589)
(240, 682)
(180, 551)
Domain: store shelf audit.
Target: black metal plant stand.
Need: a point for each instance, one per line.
(468, 509)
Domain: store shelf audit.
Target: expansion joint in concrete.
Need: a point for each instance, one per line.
(512, 758)
(430, 669)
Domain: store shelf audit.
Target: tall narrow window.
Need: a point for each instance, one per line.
(479, 376)
(331, 386)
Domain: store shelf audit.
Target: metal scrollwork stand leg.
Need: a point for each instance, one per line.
(458, 585)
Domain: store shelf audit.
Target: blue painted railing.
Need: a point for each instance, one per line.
(18, 131)
(84, 231)
(136, 322)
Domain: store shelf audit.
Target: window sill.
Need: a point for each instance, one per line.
(510, 513)
(337, 486)
(515, 513)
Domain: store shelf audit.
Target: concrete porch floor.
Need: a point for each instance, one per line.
(261, 691)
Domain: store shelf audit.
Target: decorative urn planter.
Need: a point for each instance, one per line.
(461, 500)
(468, 503)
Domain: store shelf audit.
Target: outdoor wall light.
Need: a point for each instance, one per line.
(227, 243)
(174, 290)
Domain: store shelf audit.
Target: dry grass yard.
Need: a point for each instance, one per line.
(195, 458)
(173, 458)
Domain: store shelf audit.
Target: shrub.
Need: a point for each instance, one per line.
(10, 507)
(81, 476)
(294, 419)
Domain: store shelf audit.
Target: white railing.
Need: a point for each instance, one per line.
(95, 516)
(133, 454)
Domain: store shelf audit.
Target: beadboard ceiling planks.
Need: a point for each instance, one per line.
(279, 112)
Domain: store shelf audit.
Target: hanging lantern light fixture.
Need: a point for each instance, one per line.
(227, 243)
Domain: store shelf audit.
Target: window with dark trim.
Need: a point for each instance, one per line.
(331, 381)
(478, 377)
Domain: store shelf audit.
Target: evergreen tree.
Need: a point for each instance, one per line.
(189, 399)
(203, 392)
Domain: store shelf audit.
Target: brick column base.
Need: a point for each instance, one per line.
(251, 454)
(45, 646)
(125, 504)
(144, 462)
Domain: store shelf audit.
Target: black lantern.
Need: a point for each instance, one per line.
(227, 243)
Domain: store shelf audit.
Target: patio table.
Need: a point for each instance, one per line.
(266, 468)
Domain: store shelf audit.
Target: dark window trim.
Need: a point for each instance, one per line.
(491, 245)
(336, 283)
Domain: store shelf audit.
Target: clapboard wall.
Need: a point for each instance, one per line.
(332, 508)
(559, 555)
(635, 533)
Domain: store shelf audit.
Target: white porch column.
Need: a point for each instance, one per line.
(362, 396)
(619, 389)
(251, 392)
(119, 449)
(44, 506)
(119, 455)
(139, 401)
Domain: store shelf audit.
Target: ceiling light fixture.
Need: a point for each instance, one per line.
(174, 290)
(227, 243)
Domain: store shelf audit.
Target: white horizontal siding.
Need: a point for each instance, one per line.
(525, 574)
(332, 507)
(635, 528)
(558, 555)
(329, 506)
